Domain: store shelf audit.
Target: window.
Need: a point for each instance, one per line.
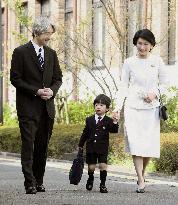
(98, 33)
(68, 10)
(68, 23)
(22, 28)
(171, 32)
(45, 8)
(2, 36)
(68, 6)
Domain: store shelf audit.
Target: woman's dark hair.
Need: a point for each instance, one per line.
(146, 34)
(103, 99)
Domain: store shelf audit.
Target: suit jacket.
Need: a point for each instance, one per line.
(139, 77)
(96, 136)
(26, 76)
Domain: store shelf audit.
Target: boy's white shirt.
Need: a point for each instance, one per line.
(96, 117)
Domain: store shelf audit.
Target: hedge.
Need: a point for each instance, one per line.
(168, 161)
(65, 140)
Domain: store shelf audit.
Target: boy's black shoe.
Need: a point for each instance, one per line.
(103, 189)
(89, 185)
(31, 190)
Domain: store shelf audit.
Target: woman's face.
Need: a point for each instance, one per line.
(143, 47)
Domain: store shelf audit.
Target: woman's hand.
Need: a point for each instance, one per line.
(150, 97)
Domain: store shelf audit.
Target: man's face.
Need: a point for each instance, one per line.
(43, 38)
(100, 109)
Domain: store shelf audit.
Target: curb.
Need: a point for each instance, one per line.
(8, 154)
(66, 165)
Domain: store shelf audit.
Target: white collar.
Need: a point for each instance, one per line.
(96, 117)
(36, 46)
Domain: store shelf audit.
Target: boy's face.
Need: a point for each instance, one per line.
(100, 109)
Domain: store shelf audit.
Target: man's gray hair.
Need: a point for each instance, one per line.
(41, 25)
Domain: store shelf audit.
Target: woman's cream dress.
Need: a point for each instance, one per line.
(142, 122)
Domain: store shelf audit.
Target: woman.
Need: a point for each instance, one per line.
(141, 77)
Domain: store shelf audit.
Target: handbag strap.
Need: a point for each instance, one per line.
(160, 98)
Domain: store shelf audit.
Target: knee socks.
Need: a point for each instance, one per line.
(103, 175)
(91, 175)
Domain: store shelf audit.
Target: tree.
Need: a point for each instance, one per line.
(75, 47)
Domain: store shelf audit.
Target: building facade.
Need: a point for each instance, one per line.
(93, 38)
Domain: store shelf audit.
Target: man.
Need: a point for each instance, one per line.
(36, 74)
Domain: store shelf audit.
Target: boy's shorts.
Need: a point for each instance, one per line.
(94, 158)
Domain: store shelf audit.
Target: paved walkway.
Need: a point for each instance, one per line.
(121, 183)
(113, 170)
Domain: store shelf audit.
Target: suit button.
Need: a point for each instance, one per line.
(96, 135)
(94, 140)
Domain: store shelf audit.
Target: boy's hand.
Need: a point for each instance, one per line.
(115, 116)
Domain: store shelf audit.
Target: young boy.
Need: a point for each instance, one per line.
(96, 136)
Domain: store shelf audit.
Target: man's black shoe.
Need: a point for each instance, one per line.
(40, 188)
(31, 190)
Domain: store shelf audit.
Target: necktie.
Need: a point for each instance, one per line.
(99, 119)
(40, 59)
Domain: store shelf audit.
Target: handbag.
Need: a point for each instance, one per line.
(163, 112)
(76, 171)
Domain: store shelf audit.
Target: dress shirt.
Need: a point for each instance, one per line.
(96, 118)
(37, 47)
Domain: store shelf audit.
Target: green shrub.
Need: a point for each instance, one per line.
(9, 115)
(78, 111)
(117, 154)
(172, 104)
(10, 140)
(168, 161)
(65, 139)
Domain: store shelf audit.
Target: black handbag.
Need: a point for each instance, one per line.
(163, 112)
(76, 171)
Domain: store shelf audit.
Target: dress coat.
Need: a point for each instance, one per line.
(141, 119)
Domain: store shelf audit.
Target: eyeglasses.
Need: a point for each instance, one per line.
(48, 33)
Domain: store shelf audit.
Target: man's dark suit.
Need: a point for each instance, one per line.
(96, 136)
(36, 116)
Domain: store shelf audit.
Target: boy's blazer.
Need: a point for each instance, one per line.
(26, 76)
(96, 136)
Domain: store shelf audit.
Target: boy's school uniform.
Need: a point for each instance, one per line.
(96, 136)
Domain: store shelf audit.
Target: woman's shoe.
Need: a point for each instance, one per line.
(142, 190)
